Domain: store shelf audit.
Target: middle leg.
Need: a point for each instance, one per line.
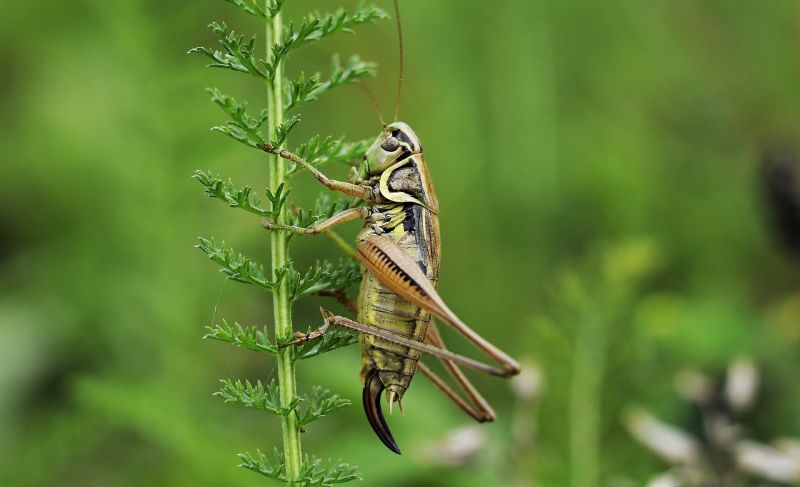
(345, 216)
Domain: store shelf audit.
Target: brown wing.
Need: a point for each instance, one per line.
(397, 271)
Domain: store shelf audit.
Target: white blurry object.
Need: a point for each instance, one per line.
(741, 384)
(670, 443)
(459, 447)
(768, 462)
(789, 446)
(664, 480)
(527, 384)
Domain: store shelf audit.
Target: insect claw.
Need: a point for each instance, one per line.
(299, 337)
(392, 396)
(326, 315)
(373, 387)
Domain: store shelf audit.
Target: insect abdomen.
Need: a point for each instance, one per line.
(382, 308)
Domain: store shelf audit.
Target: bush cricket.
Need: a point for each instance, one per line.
(399, 250)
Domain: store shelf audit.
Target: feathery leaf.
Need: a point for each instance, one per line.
(318, 151)
(333, 339)
(238, 267)
(250, 338)
(320, 403)
(257, 396)
(237, 54)
(253, 7)
(301, 91)
(242, 127)
(313, 28)
(323, 276)
(282, 132)
(314, 471)
(242, 198)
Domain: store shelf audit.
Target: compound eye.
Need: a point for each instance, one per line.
(390, 145)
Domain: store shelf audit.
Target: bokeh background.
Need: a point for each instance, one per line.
(599, 166)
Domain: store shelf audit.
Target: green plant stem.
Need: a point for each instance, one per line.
(588, 366)
(280, 298)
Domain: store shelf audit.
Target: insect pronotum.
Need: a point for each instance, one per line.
(399, 252)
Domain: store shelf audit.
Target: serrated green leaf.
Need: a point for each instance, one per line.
(274, 469)
(253, 7)
(257, 396)
(301, 91)
(319, 404)
(282, 132)
(313, 472)
(323, 276)
(333, 339)
(239, 268)
(250, 337)
(319, 151)
(313, 28)
(237, 54)
(242, 127)
(316, 472)
(274, 6)
(225, 191)
(277, 200)
(324, 207)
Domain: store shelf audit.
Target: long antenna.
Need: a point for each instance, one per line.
(372, 100)
(400, 76)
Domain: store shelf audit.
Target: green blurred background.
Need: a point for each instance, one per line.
(597, 165)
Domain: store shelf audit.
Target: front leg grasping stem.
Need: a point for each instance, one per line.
(354, 190)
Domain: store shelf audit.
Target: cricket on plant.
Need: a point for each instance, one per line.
(395, 259)
(399, 251)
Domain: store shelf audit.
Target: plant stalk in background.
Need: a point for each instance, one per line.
(287, 284)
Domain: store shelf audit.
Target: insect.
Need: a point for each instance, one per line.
(399, 250)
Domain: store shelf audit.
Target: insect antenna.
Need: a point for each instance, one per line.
(400, 74)
(373, 101)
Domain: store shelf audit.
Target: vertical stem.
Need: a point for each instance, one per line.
(278, 244)
(588, 365)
